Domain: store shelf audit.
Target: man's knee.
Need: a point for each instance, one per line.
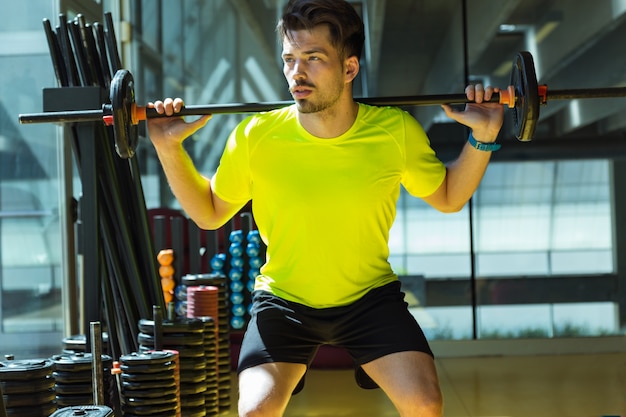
(259, 409)
(428, 403)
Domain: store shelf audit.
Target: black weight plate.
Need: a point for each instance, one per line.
(192, 364)
(73, 389)
(69, 400)
(151, 357)
(139, 385)
(192, 389)
(122, 96)
(78, 361)
(71, 377)
(190, 339)
(31, 399)
(26, 387)
(163, 376)
(77, 343)
(193, 378)
(20, 370)
(170, 413)
(87, 410)
(148, 368)
(183, 351)
(163, 400)
(149, 393)
(180, 325)
(526, 110)
(194, 411)
(42, 411)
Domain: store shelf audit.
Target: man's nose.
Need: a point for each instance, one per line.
(299, 70)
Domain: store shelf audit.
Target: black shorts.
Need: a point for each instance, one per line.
(374, 326)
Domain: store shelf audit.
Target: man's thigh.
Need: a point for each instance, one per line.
(409, 379)
(268, 387)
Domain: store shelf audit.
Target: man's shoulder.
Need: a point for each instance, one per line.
(372, 111)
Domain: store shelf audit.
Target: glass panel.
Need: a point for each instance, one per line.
(548, 320)
(31, 268)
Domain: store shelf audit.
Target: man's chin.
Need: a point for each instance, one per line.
(305, 106)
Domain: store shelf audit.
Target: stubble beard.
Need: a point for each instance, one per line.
(326, 102)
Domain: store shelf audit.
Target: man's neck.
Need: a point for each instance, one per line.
(332, 122)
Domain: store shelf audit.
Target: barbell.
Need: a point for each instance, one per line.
(523, 97)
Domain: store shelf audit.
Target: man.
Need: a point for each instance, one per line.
(324, 175)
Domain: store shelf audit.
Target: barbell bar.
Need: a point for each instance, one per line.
(523, 96)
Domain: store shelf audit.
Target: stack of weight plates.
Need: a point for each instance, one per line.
(186, 336)
(84, 411)
(73, 379)
(202, 301)
(223, 331)
(211, 395)
(28, 387)
(149, 384)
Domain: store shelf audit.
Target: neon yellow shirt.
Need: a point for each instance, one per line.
(324, 207)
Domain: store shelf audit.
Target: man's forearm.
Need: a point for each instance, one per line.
(465, 174)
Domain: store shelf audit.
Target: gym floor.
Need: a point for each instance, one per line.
(590, 385)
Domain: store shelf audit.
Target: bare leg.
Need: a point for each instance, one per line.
(410, 381)
(265, 390)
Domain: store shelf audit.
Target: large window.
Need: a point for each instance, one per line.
(31, 270)
(529, 222)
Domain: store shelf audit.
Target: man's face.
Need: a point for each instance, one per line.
(313, 69)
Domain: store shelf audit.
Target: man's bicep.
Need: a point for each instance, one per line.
(439, 198)
(224, 210)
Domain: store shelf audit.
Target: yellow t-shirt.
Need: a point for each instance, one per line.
(324, 207)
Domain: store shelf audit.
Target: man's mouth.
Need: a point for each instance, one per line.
(301, 91)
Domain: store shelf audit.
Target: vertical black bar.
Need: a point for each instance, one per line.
(3, 410)
(55, 54)
(618, 182)
(178, 236)
(73, 79)
(211, 237)
(157, 320)
(79, 51)
(470, 203)
(93, 57)
(97, 373)
(89, 214)
(102, 50)
(195, 259)
(111, 43)
(160, 239)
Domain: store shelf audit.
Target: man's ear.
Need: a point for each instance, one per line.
(352, 68)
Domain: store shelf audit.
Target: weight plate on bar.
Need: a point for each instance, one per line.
(122, 99)
(526, 110)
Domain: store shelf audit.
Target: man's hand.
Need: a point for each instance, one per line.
(484, 118)
(166, 131)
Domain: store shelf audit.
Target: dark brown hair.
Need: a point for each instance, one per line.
(346, 27)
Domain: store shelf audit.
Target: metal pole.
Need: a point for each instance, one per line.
(97, 374)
